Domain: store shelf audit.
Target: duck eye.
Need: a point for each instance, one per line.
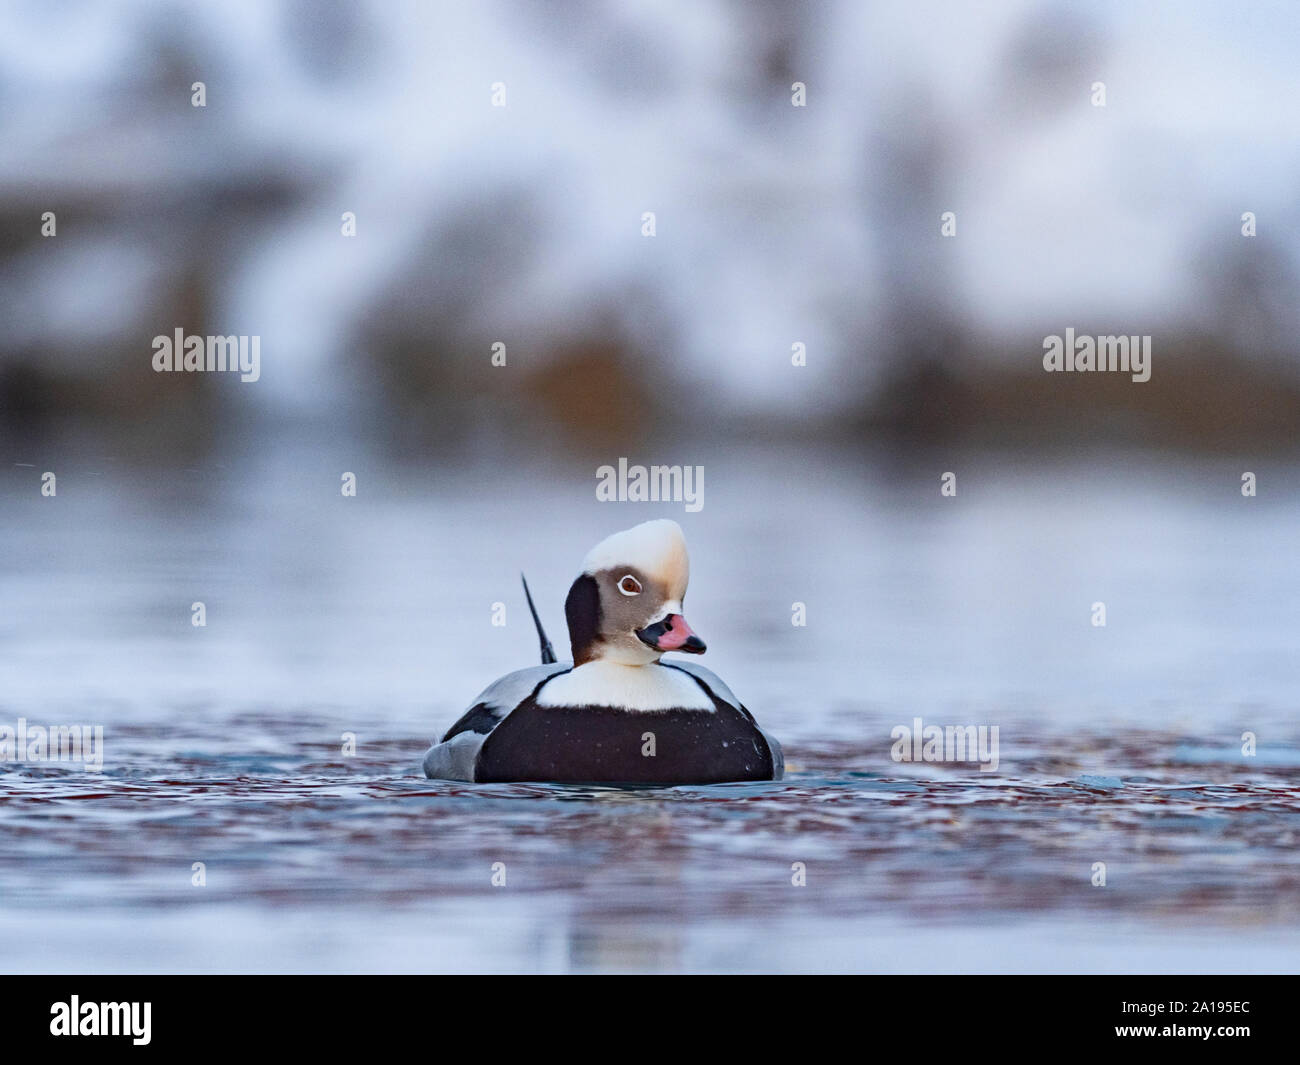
(629, 585)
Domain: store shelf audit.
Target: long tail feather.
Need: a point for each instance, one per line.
(548, 652)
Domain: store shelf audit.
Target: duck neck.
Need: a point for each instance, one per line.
(613, 655)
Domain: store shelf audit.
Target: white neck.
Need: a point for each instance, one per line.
(628, 687)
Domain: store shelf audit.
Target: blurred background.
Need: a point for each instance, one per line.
(775, 225)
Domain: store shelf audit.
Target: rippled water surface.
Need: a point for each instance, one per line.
(223, 745)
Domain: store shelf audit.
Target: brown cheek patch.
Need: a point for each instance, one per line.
(583, 613)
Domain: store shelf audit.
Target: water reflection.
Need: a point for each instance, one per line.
(224, 745)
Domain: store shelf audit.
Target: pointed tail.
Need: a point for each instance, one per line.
(548, 652)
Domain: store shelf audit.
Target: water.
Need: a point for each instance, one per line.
(371, 616)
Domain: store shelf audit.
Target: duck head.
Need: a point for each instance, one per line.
(627, 605)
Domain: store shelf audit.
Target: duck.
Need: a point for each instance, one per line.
(618, 713)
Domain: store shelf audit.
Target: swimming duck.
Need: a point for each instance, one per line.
(618, 713)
